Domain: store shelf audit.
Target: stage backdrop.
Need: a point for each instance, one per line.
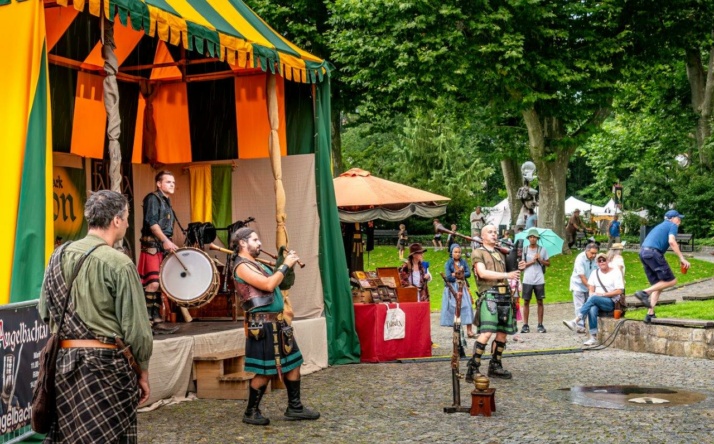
(253, 195)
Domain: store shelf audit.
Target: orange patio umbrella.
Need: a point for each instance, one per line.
(362, 197)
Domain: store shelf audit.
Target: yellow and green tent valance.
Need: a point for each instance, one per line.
(225, 29)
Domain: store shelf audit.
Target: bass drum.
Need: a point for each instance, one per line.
(189, 277)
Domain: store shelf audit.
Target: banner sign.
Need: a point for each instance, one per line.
(22, 336)
(69, 191)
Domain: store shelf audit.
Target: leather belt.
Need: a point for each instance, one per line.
(265, 317)
(85, 343)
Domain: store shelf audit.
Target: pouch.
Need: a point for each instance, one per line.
(256, 331)
(287, 338)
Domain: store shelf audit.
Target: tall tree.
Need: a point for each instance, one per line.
(553, 62)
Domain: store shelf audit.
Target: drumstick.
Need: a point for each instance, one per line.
(180, 262)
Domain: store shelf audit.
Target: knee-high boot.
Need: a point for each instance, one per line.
(295, 408)
(472, 368)
(495, 369)
(252, 413)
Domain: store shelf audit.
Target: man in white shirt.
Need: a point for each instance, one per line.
(478, 220)
(584, 265)
(605, 287)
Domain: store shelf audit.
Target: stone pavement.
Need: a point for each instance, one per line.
(403, 402)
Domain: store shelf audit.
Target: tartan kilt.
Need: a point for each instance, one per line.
(97, 398)
(260, 354)
(490, 322)
(149, 267)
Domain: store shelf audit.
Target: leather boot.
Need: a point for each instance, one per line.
(252, 413)
(295, 408)
(156, 314)
(496, 370)
(471, 371)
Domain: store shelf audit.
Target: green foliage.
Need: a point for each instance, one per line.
(631, 223)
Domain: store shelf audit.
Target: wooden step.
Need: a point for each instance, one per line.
(704, 297)
(238, 376)
(222, 355)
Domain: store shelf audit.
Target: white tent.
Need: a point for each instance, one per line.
(572, 203)
(500, 214)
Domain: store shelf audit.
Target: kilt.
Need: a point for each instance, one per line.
(97, 397)
(260, 354)
(490, 322)
(149, 266)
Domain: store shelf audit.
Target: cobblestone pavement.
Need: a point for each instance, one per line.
(403, 402)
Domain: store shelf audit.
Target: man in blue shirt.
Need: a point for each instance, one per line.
(613, 232)
(531, 220)
(658, 272)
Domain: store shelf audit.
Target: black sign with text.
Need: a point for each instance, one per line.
(22, 336)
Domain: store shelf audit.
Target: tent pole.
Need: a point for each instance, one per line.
(281, 234)
(111, 103)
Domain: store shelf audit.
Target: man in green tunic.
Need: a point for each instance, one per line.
(97, 391)
(270, 346)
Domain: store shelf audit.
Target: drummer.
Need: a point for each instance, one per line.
(156, 232)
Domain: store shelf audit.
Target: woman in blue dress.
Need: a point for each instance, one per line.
(448, 304)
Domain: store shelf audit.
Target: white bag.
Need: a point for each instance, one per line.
(394, 323)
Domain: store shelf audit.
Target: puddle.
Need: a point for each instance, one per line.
(629, 396)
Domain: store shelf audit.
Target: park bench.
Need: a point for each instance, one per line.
(690, 323)
(685, 240)
(386, 237)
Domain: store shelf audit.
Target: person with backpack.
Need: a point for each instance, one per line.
(605, 287)
(536, 259)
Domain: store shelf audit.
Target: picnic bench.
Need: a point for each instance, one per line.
(386, 237)
(685, 240)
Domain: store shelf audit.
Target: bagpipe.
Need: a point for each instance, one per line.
(512, 251)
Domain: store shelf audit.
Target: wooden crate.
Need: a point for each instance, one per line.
(408, 294)
(223, 376)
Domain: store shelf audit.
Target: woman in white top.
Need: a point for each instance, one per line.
(614, 257)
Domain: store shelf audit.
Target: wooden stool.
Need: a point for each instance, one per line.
(483, 402)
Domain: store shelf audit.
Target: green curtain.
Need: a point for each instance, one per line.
(221, 182)
(342, 341)
(299, 116)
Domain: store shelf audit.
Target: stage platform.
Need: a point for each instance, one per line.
(171, 372)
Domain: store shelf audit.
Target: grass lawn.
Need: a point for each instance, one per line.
(557, 278)
(703, 310)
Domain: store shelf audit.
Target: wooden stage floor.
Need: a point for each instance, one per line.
(197, 328)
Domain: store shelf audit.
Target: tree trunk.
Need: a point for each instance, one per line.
(701, 83)
(551, 173)
(336, 143)
(513, 180)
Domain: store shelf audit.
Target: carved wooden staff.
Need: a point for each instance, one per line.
(457, 350)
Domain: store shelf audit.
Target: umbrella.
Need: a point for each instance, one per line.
(361, 197)
(552, 243)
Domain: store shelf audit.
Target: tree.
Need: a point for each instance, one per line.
(554, 63)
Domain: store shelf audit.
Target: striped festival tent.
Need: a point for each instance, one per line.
(201, 86)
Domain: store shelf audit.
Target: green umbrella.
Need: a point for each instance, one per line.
(551, 242)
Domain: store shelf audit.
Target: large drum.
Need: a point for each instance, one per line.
(189, 277)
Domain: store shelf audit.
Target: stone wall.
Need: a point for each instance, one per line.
(661, 339)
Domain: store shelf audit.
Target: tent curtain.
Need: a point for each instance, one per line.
(251, 116)
(201, 193)
(222, 199)
(426, 211)
(90, 118)
(343, 344)
(173, 137)
(26, 138)
(300, 120)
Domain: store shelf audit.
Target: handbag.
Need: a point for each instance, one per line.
(43, 395)
(394, 323)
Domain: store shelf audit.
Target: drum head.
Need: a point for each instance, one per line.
(190, 284)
